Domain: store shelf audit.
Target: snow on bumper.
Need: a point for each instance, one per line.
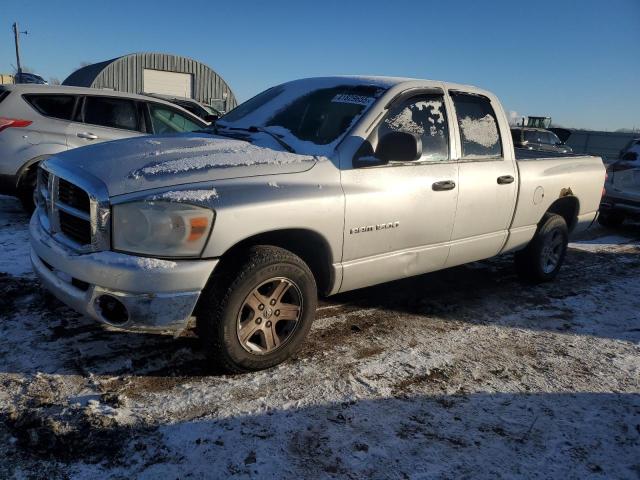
(123, 290)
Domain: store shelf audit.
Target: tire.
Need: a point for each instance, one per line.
(26, 186)
(241, 299)
(611, 219)
(541, 260)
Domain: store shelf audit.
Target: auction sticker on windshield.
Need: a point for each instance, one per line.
(355, 99)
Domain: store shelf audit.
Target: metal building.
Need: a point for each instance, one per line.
(157, 73)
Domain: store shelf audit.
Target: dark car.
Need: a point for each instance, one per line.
(202, 110)
(30, 78)
(538, 139)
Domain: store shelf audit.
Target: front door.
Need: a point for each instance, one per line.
(398, 218)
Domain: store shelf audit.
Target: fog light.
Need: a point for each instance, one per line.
(112, 310)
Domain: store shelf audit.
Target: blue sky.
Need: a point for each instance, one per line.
(576, 61)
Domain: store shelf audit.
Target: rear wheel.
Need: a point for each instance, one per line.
(611, 219)
(256, 315)
(541, 260)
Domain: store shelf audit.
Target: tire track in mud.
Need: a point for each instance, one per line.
(453, 297)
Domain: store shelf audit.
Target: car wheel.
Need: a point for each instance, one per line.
(256, 312)
(611, 219)
(26, 186)
(541, 260)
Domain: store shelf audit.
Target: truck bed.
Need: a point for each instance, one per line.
(525, 154)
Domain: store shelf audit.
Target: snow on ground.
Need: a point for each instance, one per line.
(465, 373)
(14, 238)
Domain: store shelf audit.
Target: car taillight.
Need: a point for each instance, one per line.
(13, 122)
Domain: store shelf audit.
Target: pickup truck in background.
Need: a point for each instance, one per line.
(315, 186)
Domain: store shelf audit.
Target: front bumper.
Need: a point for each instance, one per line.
(157, 295)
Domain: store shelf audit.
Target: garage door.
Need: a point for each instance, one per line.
(167, 83)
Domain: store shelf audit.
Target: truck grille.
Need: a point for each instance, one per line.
(78, 229)
(65, 211)
(73, 196)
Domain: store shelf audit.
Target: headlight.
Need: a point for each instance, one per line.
(161, 228)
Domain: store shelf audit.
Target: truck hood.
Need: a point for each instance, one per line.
(142, 163)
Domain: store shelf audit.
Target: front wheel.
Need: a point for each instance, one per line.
(541, 260)
(26, 188)
(257, 313)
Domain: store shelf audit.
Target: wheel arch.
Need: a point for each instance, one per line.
(307, 244)
(568, 207)
(28, 167)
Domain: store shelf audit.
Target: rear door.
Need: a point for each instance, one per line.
(487, 180)
(102, 118)
(56, 111)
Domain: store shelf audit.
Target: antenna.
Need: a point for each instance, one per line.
(16, 36)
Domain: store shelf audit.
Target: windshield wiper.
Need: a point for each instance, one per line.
(254, 129)
(215, 131)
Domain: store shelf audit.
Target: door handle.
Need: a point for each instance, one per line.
(87, 135)
(444, 185)
(505, 179)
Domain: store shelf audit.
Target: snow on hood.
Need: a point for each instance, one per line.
(141, 163)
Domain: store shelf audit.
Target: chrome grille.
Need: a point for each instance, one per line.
(78, 229)
(72, 213)
(73, 196)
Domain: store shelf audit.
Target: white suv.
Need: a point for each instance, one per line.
(37, 121)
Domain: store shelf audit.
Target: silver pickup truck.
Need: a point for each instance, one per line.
(316, 186)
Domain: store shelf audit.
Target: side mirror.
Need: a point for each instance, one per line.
(399, 147)
(211, 118)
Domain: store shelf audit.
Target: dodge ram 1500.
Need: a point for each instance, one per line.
(315, 186)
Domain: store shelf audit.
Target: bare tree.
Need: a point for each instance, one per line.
(54, 81)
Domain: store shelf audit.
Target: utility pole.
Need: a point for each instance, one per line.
(16, 36)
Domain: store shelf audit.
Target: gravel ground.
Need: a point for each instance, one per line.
(465, 373)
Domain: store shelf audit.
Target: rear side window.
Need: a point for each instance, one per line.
(56, 106)
(480, 136)
(111, 112)
(168, 120)
(3, 93)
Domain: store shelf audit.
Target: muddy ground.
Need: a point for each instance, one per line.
(466, 373)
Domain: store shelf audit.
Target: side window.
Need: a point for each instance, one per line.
(168, 120)
(56, 106)
(479, 131)
(111, 112)
(553, 138)
(533, 136)
(424, 116)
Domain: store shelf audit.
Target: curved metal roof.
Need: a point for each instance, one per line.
(125, 74)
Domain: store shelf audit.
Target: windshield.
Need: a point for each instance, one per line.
(306, 117)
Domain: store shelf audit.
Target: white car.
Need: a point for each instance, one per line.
(37, 121)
